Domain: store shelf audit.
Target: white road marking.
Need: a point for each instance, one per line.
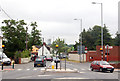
(82, 69)
(28, 69)
(24, 77)
(71, 78)
(89, 69)
(34, 69)
(19, 69)
(43, 75)
(81, 72)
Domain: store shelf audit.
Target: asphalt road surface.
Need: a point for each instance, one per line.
(27, 71)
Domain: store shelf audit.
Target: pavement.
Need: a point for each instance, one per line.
(117, 70)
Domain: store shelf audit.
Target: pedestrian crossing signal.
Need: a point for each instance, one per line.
(56, 46)
(101, 49)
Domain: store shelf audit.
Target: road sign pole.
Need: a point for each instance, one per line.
(107, 53)
(56, 56)
(65, 63)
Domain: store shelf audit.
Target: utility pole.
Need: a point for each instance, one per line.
(80, 38)
(101, 28)
(43, 48)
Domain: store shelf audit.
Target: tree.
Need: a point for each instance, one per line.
(117, 40)
(92, 37)
(62, 45)
(14, 35)
(35, 37)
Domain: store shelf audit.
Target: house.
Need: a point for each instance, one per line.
(35, 49)
(44, 50)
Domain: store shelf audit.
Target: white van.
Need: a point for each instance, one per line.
(4, 59)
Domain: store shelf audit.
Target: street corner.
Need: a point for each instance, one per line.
(6, 70)
(62, 70)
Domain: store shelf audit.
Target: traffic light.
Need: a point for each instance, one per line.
(56, 46)
(101, 49)
(3, 46)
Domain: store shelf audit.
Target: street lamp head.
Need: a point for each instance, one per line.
(93, 2)
(75, 19)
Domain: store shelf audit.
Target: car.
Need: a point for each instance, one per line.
(101, 66)
(33, 56)
(5, 59)
(56, 59)
(49, 58)
(40, 61)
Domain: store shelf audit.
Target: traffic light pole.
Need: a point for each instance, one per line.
(56, 56)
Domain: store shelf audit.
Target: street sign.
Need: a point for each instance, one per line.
(79, 49)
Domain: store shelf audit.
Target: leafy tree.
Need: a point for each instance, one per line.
(62, 45)
(34, 38)
(117, 40)
(14, 35)
(92, 37)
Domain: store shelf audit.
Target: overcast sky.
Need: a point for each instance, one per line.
(55, 18)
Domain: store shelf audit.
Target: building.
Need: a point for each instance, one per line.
(113, 55)
(44, 50)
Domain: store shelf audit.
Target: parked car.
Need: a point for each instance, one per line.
(33, 56)
(49, 58)
(101, 66)
(40, 61)
(56, 59)
(4, 59)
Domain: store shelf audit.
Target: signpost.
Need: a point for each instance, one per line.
(56, 57)
(81, 50)
(101, 53)
(108, 48)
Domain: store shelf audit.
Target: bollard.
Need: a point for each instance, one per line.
(2, 66)
(56, 64)
(53, 65)
(13, 65)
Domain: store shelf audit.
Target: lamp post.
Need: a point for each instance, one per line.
(43, 47)
(80, 37)
(101, 26)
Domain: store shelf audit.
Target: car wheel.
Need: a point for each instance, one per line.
(111, 71)
(34, 65)
(91, 68)
(43, 65)
(101, 70)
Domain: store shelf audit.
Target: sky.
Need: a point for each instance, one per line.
(55, 18)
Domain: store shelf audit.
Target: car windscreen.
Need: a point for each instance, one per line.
(38, 59)
(104, 63)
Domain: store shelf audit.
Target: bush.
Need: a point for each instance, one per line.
(23, 54)
(17, 54)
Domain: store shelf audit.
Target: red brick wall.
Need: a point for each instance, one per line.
(93, 55)
(114, 54)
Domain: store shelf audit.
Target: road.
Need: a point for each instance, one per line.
(27, 71)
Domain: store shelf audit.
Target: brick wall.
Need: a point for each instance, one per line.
(114, 54)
